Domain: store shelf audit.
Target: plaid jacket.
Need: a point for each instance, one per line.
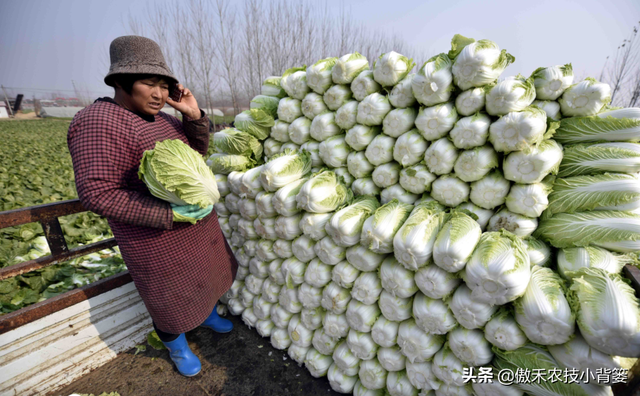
(180, 270)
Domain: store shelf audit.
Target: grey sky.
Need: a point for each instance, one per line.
(46, 44)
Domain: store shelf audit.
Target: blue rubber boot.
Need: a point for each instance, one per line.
(216, 323)
(186, 362)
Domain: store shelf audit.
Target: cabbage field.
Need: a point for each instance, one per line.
(398, 230)
(35, 168)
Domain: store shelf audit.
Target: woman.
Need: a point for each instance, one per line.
(179, 269)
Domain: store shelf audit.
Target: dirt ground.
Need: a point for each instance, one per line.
(240, 363)
(21, 116)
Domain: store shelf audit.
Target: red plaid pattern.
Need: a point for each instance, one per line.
(180, 270)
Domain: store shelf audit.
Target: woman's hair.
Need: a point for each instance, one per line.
(126, 81)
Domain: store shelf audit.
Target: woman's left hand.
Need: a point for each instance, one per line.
(188, 105)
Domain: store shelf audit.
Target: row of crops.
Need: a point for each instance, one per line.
(395, 230)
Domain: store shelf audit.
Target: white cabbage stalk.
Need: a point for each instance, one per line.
(300, 130)
(399, 121)
(284, 200)
(271, 87)
(223, 185)
(538, 251)
(471, 131)
(473, 165)
(432, 315)
(532, 165)
(585, 98)
(294, 82)
(361, 345)
(235, 307)
(288, 300)
(318, 274)
(358, 165)
(391, 67)
(259, 268)
(577, 353)
(302, 248)
(288, 110)
(348, 67)
(345, 359)
(272, 147)
(529, 199)
(396, 279)
(293, 271)
(235, 182)
(265, 252)
(518, 130)
(242, 257)
(231, 201)
(236, 239)
(372, 375)
(397, 192)
(422, 377)
(275, 273)
(324, 343)
(395, 308)
(284, 169)
(344, 274)
(364, 259)
(319, 75)
(246, 297)
(221, 209)
(300, 335)
(280, 131)
(417, 345)
(367, 288)
(470, 346)
(409, 148)
(378, 230)
(477, 63)
(441, 156)
(283, 248)
(242, 271)
(329, 252)
(470, 101)
(225, 227)
(517, 224)
(551, 82)
(413, 243)
(433, 84)
(253, 284)
(550, 107)
(435, 122)
(323, 193)
(495, 388)
(469, 312)
(234, 290)
(288, 227)
(391, 358)
(324, 126)
(313, 225)
(250, 185)
(364, 85)
(612, 126)
(261, 308)
(298, 353)
(346, 115)
(334, 151)
(271, 290)
(503, 332)
(448, 368)
(600, 158)
(386, 175)
(249, 318)
(416, 179)
(490, 191)
(337, 96)
(398, 384)
(335, 298)
(385, 332)
(449, 190)
(401, 95)
(362, 317)
(289, 146)
(335, 326)
(511, 94)
(608, 312)
(435, 282)
(313, 148)
(543, 312)
(373, 109)
(343, 172)
(246, 229)
(365, 186)
(572, 259)
(346, 225)
(360, 136)
(234, 219)
(340, 381)
(317, 363)
(380, 150)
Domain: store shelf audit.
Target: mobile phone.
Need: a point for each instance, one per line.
(176, 94)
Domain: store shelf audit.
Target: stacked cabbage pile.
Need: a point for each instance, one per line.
(388, 244)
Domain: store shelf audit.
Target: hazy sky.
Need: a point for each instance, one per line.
(46, 44)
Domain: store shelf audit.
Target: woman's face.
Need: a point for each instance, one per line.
(148, 96)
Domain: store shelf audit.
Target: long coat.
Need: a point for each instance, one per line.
(179, 269)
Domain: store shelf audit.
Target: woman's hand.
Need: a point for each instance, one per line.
(188, 105)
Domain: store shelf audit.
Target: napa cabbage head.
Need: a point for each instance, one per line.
(233, 141)
(268, 104)
(224, 164)
(271, 87)
(391, 67)
(433, 84)
(456, 241)
(378, 230)
(589, 159)
(255, 122)
(285, 168)
(319, 75)
(551, 82)
(294, 82)
(348, 67)
(572, 259)
(510, 94)
(477, 63)
(323, 193)
(585, 98)
(346, 224)
(606, 126)
(413, 243)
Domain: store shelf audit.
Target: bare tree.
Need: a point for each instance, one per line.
(634, 90)
(225, 44)
(621, 67)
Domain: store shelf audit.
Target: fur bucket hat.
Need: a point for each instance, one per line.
(136, 55)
